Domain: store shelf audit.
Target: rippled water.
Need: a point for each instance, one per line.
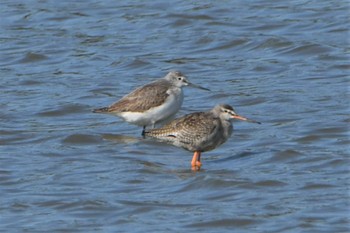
(64, 169)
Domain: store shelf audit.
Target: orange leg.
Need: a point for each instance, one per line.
(196, 161)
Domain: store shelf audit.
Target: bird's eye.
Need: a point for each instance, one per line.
(179, 78)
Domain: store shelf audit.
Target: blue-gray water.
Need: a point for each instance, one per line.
(65, 169)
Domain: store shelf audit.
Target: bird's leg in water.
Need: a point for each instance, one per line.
(196, 161)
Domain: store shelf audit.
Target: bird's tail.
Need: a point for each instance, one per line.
(101, 110)
(159, 133)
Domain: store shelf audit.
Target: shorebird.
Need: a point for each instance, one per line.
(153, 102)
(200, 131)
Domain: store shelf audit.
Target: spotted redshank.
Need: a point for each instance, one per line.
(153, 102)
(200, 131)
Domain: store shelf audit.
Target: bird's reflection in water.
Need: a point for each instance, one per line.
(121, 138)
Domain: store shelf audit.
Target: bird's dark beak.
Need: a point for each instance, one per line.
(197, 86)
(244, 119)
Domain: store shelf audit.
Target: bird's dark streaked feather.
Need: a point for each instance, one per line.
(101, 110)
(187, 129)
(226, 106)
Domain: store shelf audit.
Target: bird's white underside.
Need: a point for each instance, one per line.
(160, 113)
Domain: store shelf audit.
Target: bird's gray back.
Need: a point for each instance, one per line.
(143, 98)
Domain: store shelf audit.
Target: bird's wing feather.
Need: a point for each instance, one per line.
(187, 129)
(143, 98)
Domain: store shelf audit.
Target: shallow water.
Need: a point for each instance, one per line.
(285, 64)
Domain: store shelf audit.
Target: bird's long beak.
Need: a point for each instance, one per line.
(197, 86)
(244, 119)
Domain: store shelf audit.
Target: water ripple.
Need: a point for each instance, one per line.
(65, 169)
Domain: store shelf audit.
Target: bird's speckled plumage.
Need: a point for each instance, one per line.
(199, 131)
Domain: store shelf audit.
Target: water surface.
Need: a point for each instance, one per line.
(64, 169)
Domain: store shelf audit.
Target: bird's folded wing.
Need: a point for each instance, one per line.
(141, 99)
(187, 129)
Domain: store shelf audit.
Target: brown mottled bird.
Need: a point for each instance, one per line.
(200, 131)
(153, 102)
